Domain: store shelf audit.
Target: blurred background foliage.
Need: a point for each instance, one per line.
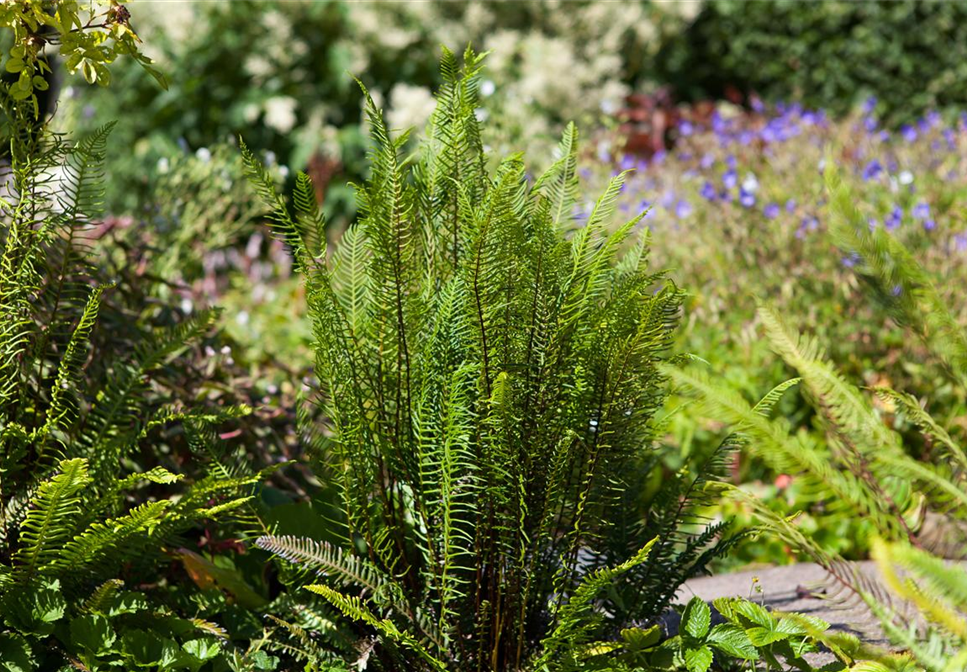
(831, 55)
(279, 73)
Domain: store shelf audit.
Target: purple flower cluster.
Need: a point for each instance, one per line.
(715, 164)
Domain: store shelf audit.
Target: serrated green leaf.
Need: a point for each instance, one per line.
(637, 639)
(34, 608)
(754, 613)
(733, 641)
(127, 602)
(697, 618)
(698, 660)
(264, 661)
(147, 649)
(203, 648)
(92, 632)
(15, 654)
(766, 636)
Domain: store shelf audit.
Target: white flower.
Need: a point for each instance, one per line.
(487, 88)
(280, 113)
(750, 184)
(204, 154)
(186, 306)
(250, 113)
(163, 165)
(906, 177)
(411, 106)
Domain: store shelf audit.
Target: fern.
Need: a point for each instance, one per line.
(489, 375)
(53, 512)
(74, 513)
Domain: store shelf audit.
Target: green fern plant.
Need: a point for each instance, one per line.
(489, 371)
(79, 518)
(916, 510)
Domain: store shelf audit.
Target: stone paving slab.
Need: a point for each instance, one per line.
(792, 588)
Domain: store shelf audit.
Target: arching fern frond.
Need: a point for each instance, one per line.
(51, 518)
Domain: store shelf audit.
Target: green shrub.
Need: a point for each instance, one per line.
(489, 376)
(829, 55)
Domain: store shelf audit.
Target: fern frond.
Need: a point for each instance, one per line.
(112, 540)
(61, 409)
(573, 623)
(50, 520)
(325, 558)
(101, 598)
(283, 225)
(353, 608)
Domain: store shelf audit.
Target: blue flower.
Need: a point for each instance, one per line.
(894, 219)
(960, 242)
(686, 128)
(719, 125)
(746, 198)
(872, 170)
(730, 179)
(708, 191)
(951, 138)
(708, 160)
(873, 222)
(790, 205)
(771, 211)
(851, 260)
(668, 200)
(869, 105)
(908, 132)
(921, 211)
(730, 161)
(683, 209)
(869, 123)
(807, 224)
